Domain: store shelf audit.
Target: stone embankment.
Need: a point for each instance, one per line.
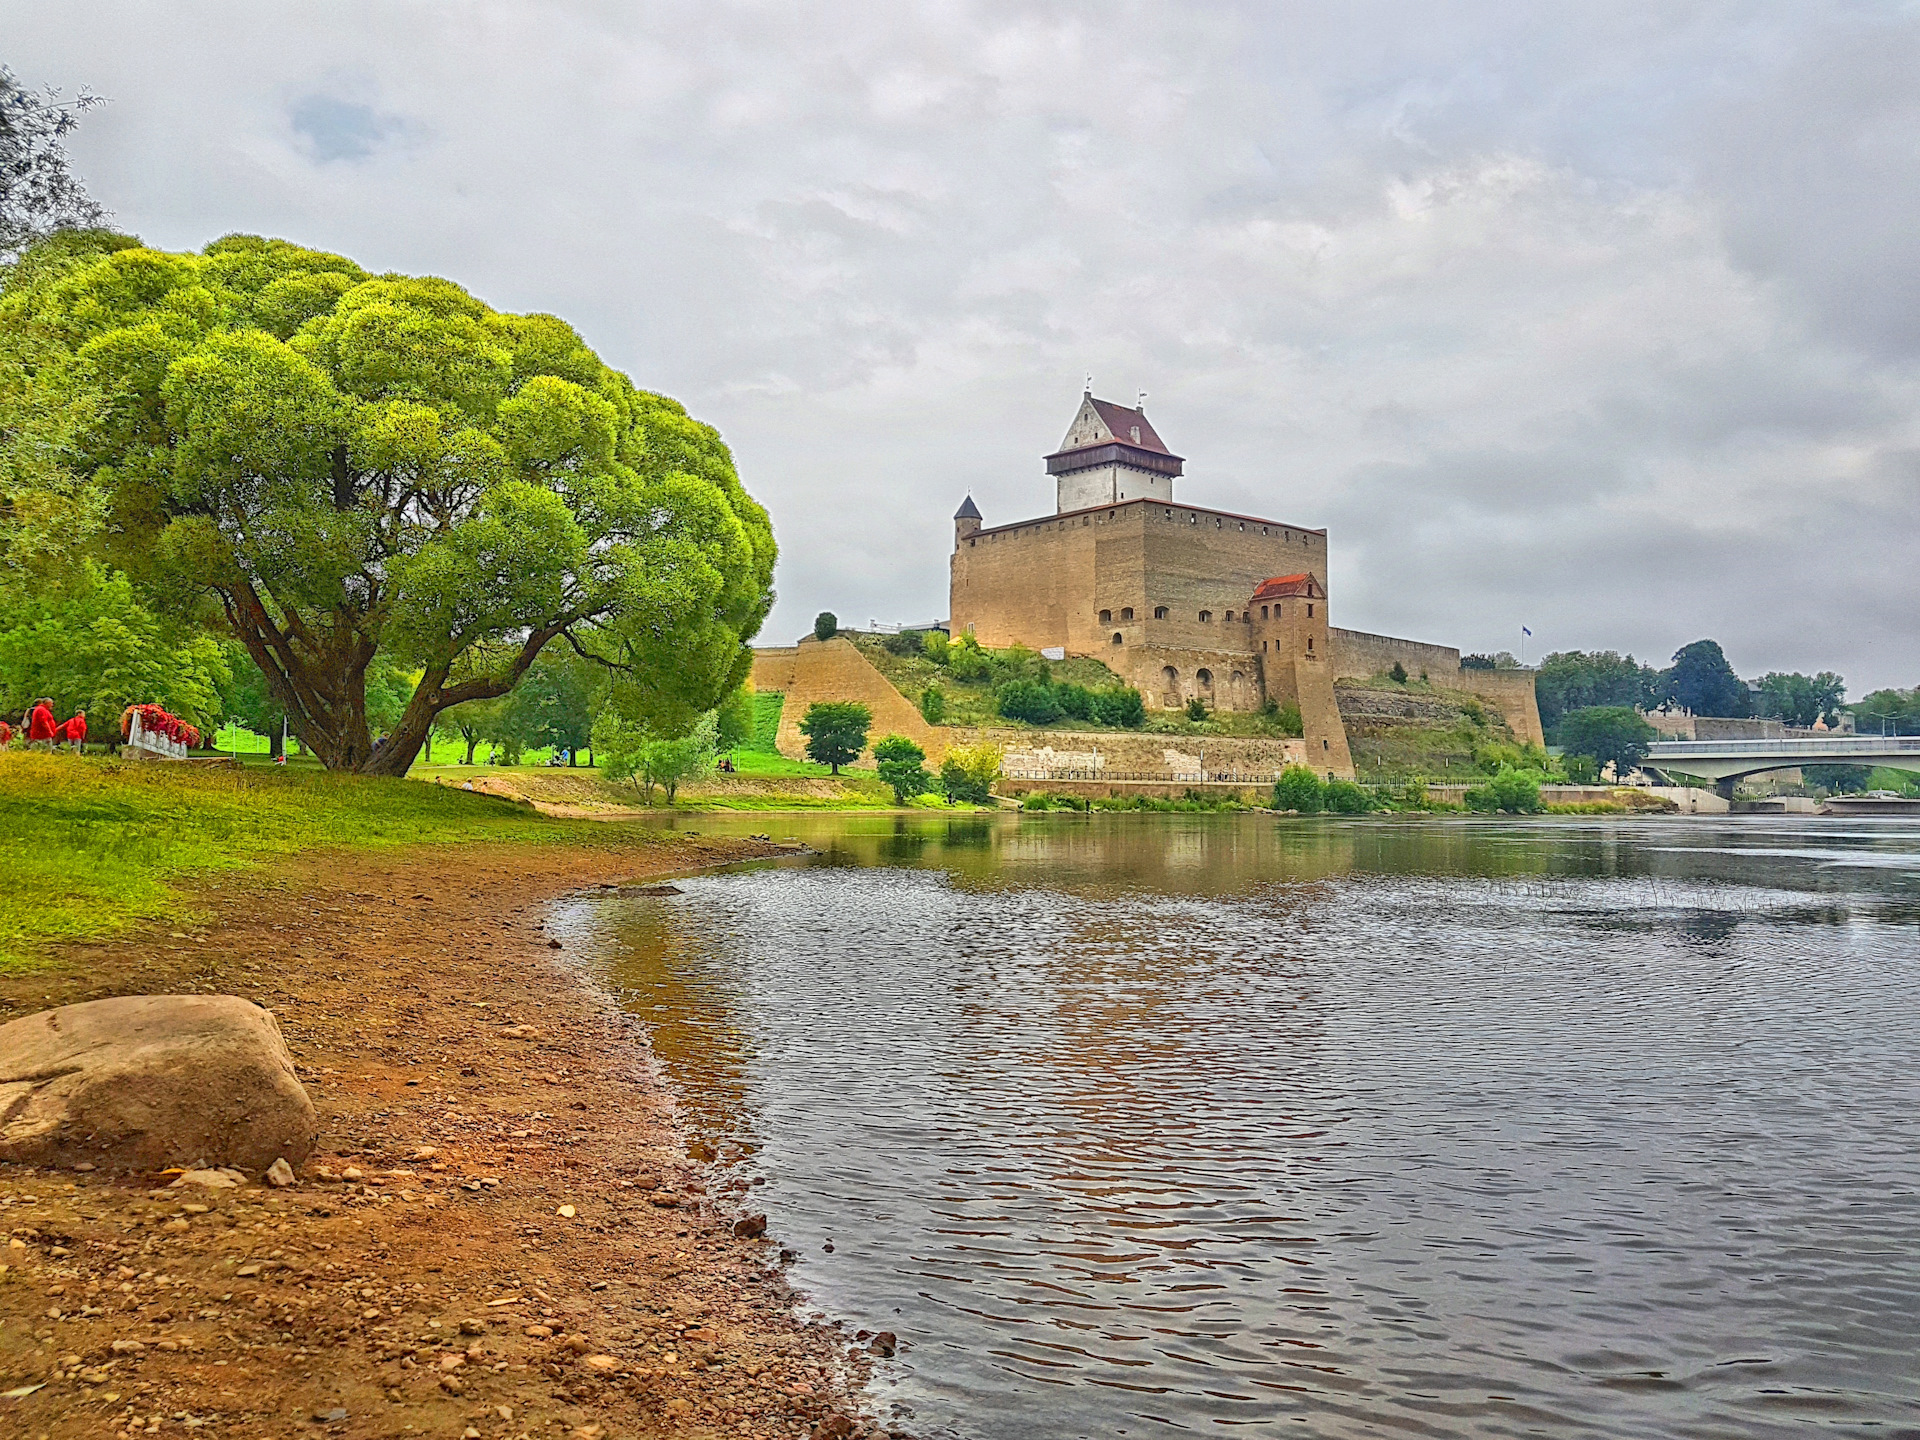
(499, 1233)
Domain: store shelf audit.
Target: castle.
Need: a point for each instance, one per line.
(1183, 601)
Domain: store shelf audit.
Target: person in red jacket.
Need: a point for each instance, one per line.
(6, 733)
(40, 726)
(76, 731)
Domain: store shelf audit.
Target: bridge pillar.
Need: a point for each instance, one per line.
(1724, 788)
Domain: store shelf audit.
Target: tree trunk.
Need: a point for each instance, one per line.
(473, 739)
(277, 742)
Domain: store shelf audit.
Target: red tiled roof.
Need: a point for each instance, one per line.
(1283, 587)
(1120, 420)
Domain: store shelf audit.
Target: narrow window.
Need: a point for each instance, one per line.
(1309, 644)
(1106, 617)
(1263, 647)
(1229, 617)
(1159, 612)
(1205, 616)
(1116, 638)
(1126, 612)
(1263, 612)
(1309, 611)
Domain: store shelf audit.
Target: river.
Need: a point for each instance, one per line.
(1150, 1124)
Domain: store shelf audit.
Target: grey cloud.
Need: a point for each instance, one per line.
(1595, 315)
(336, 129)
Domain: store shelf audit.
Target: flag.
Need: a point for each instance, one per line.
(1525, 631)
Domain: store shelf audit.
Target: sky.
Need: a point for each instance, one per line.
(1597, 318)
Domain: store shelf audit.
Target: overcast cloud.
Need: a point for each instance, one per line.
(1602, 318)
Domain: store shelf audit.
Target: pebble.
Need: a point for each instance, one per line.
(539, 1332)
(750, 1227)
(566, 1212)
(279, 1174)
(601, 1364)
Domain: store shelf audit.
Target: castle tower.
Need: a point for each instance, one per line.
(1287, 626)
(966, 521)
(1110, 454)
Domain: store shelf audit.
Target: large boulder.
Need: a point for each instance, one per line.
(145, 1082)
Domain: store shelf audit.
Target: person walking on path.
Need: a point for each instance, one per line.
(75, 731)
(40, 726)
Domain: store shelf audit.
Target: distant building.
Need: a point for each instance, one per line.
(1182, 600)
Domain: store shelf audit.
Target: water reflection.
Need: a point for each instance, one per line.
(1140, 1123)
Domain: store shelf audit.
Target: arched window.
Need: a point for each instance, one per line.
(1205, 616)
(1205, 678)
(1126, 612)
(1229, 617)
(1106, 617)
(1171, 677)
(1309, 644)
(1116, 638)
(1159, 612)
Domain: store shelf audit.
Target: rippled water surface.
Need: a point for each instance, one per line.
(1135, 1125)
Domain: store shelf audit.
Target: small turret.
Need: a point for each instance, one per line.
(966, 520)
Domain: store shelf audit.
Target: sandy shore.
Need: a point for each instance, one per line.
(472, 1090)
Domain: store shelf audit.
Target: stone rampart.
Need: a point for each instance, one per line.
(1511, 692)
(1358, 655)
(1138, 755)
(816, 671)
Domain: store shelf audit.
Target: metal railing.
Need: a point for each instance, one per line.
(1735, 749)
(1157, 777)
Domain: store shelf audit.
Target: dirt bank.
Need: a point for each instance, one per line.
(514, 1244)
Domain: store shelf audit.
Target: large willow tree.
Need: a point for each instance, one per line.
(336, 466)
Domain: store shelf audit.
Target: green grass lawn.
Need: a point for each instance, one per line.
(95, 845)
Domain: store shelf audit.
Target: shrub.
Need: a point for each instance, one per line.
(1413, 795)
(1284, 719)
(826, 625)
(933, 704)
(735, 719)
(1343, 797)
(1196, 709)
(1041, 800)
(1120, 706)
(900, 765)
(1473, 709)
(1298, 788)
(969, 772)
(1075, 701)
(933, 645)
(836, 732)
(1581, 769)
(1512, 792)
(906, 642)
(1032, 701)
(967, 660)
(1398, 674)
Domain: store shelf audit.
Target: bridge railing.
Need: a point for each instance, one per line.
(1837, 748)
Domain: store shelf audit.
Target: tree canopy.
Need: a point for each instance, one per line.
(1574, 679)
(335, 466)
(1702, 681)
(1606, 734)
(39, 194)
(836, 732)
(1802, 699)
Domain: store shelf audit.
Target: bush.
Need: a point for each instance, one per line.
(1033, 701)
(969, 772)
(1398, 674)
(1075, 701)
(1512, 792)
(1196, 709)
(836, 732)
(933, 704)
(1581, 769)
(1284, 719)
(1121, 706)
(1343, 797)
(1475, 712)
(933, 645)
(967, 660)
(900, 765)
(907, 642)
(826, 625)
(1298, 788)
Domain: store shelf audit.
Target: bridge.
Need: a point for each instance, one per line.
(1726, 761)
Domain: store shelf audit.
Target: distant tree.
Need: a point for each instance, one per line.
(1398, 674)
(1702, 681)
(933, 705)
(1837, 779)
(1607, 734)
(734, 719)
(836, 732)
(1299, 789)
(826, 625)
(629, 751)
(1894, 712)
(38, 193)
(1802, 699)
(89, 641)
(1574, 680)
(968, 773)
(553, 704)
(1499, 660)
(1033, 701)
(902, 765)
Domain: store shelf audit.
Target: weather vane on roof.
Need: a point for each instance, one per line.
(1089, 384)
(1141, 404)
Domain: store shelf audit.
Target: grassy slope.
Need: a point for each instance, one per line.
(1439, 746)
(94, 844)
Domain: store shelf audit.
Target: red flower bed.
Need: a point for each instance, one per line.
(159, 722)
